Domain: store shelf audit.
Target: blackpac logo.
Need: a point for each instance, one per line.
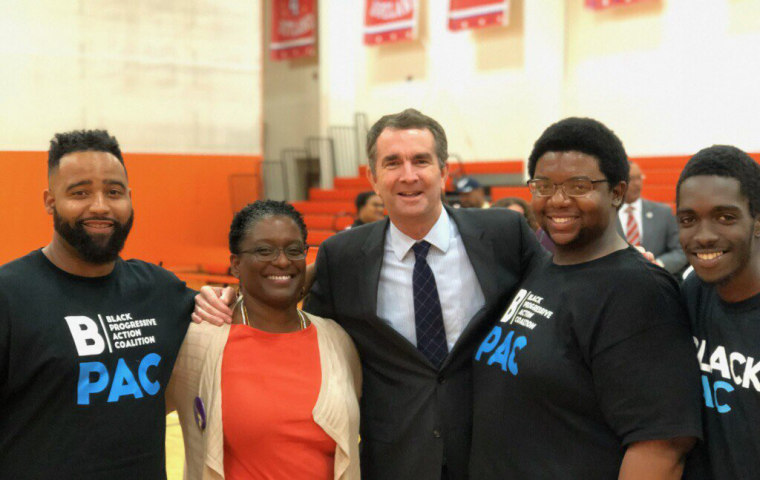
(122, 333)
(503, 343)
(724, 372)
(86, 336)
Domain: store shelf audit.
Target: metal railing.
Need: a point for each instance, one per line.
(274, 180)
(339, 154)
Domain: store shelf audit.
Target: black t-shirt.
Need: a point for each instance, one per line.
(83, 367)
(586, 359)
(727, 336)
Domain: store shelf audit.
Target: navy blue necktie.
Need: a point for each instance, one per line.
(428, 317)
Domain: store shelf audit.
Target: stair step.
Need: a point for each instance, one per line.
(309, 207)
(336, 194)
(352, 182)
(316, 237)
(327, 221)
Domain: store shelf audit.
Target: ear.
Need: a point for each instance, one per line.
(618, 193)
(49, 199)
(235, 266)
(373, 180)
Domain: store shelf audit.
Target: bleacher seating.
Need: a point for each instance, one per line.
(329, 211)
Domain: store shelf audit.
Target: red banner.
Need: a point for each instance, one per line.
(389, 21)
(294, 29)
(467, 14)
(601, 4)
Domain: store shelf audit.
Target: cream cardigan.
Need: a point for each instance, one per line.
(198, 372)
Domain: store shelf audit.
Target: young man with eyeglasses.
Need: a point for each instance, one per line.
(589, 373)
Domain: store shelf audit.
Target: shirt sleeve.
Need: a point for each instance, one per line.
(644, 365)
(177, 289)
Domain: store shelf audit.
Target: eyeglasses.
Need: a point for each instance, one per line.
(575, 187)
(268, 253)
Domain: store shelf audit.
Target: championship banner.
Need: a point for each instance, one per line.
(294, 29)
(467, 14)
(602, 4)
(389, 21)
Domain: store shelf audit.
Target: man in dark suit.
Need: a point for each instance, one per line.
(650, 225)
(416, 292)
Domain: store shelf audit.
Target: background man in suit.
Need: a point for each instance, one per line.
(650, 225)
(416, 292)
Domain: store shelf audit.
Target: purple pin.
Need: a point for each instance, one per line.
(200, 413)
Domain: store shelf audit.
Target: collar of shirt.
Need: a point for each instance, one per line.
(439, 236)
(637, 208)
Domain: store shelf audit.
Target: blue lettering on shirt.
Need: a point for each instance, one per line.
(501, 352)
(94, 378)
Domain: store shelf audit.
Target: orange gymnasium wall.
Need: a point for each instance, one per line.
(183, 204)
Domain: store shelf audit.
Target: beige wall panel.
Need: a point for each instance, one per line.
(162, 75)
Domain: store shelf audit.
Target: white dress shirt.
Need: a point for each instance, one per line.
(623, 215)
(458, 288)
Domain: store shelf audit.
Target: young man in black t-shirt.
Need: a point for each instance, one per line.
(590, 373)
(87, 340)
(718, 211)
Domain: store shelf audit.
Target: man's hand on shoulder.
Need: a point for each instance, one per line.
(212, 305)
(648, 255)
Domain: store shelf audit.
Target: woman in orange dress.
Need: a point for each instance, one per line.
(275, 394)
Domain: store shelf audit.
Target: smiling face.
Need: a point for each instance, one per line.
(717, 232)
(91, 206)
(581, 227)
(275, 283)
(409, 179)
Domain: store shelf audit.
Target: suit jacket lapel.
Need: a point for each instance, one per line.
(480, 252)
(373, 251)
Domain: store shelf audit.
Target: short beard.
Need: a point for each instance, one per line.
(86, 246)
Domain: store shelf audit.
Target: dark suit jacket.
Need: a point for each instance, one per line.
(416, 418)
(660, 235)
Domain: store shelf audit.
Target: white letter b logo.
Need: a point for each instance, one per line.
(84, 330)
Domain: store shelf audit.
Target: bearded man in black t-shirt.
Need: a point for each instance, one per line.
(718, 211)
(87, 340)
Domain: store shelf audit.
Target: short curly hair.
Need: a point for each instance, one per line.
(82, 141)
(726, 161)
(251, 214)
(588, 136)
